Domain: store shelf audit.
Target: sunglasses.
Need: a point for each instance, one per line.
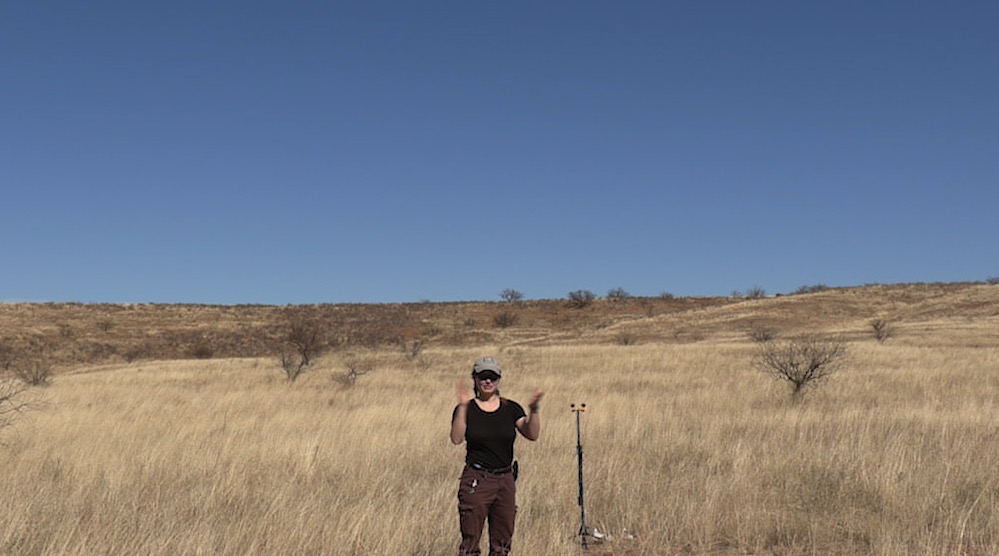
(490, 377)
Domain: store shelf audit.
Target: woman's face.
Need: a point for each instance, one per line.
(487, 382)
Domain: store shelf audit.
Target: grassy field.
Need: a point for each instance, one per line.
(689, 450)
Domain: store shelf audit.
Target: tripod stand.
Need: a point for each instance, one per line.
(584, 531)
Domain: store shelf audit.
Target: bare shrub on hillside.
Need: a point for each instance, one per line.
(511, 295)
(6, 354)
(665, 295)
(304, 339)
(617, 293)
(202, 351)
(811, 289)
(580, 299)
(199, 346)
(802, 363)
(883, 330)
(94, 351)
(30, 362)
(626, 338)
(687, 334)
(755, 292)
(137, 352)
(761, 334)
(33, 371)
(648, 307)
(505, 319)
(992, 280)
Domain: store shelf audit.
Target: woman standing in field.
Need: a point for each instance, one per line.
(488, 424)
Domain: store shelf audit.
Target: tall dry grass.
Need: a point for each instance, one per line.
(688, 450)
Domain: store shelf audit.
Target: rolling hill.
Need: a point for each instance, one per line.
(71, 335)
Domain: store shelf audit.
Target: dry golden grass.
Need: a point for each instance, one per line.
(688, 450)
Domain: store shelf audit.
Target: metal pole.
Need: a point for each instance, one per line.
(583, 531)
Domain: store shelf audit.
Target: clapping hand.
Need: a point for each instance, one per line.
(464, 394)
(535, 402)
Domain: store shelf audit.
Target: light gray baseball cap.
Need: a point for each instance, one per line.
(483, 364)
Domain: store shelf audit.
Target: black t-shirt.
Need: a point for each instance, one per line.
(489, 436)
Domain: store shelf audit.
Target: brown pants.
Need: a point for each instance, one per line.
(483, 495)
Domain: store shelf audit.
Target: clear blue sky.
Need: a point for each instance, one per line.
(382, 151)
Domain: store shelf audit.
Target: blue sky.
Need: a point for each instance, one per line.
(298, 152)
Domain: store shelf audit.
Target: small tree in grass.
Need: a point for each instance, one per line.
(412, 349)
(802, 363)
(14, 401)
(356, 367)
(304, 339)
(882, 330)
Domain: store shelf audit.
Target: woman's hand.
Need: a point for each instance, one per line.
(530, 425)
(460, 421)
(464, 394)
(535, 403)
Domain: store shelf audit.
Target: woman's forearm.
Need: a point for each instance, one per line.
(459, 424)
(533, 428)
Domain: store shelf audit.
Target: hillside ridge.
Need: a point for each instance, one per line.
(76, 334)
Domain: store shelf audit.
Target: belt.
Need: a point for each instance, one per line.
(493, 470)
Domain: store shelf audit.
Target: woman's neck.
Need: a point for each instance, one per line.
(487, 398)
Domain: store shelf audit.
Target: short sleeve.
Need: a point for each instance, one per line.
(516, 411)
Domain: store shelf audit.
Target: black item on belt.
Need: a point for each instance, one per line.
(495, 470)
